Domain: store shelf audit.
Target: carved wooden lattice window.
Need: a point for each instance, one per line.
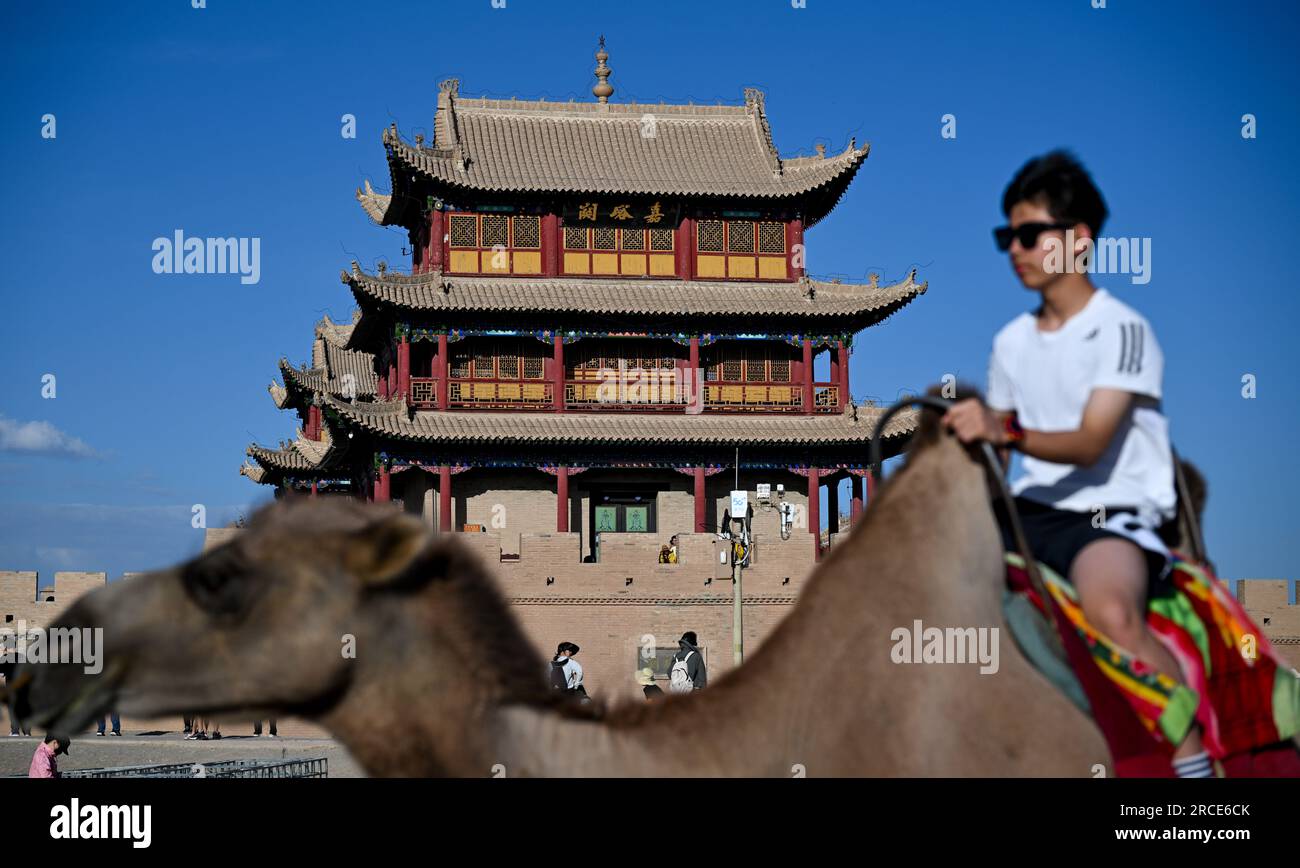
(755, 370)
(533, 368)
(464, 230)
(709, 236)
(740, 237)
(528, 232)
(496, 230)
(771, 238)
(661, 239)
(483, 367)
(781, 370)
(508, 366)
(633, 239)
(603, 238)
(459, 366)
(575, 237)
(731, 370)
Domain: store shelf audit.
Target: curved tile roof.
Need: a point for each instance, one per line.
(659, 149)
(391, 419)
(437, 291)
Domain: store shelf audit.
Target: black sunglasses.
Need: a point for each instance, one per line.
(1027, 233)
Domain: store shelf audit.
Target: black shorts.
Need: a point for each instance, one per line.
(1056, 536)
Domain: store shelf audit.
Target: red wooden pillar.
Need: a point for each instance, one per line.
(562, 500)
(557, 372)
(441, 372)
(686, 249)
(833, 505)
(550, 244)
(807, 376)
(444, 498)
(871, 486)
(855, 508)
(845, 352)
(383, 489)
(433, 250)
(392, 378)
(797, 252)
(701, 513)
(696, 379)
(313, 488)
(815, 510)
(404, 367)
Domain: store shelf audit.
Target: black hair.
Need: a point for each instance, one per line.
(689, 636)
(565, 646)
(1061, 183)
(49, 737)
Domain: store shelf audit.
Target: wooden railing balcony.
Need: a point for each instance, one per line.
(634, 394)
(424, 393)
(500, 393)
(626, 395)
(753, 396)
(482, 393)
(826, 397)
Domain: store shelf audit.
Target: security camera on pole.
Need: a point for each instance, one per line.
(739, 559)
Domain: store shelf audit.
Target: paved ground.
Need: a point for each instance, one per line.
(130, 749)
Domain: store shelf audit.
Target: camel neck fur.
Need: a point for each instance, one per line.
(821, 695)
(822, 683)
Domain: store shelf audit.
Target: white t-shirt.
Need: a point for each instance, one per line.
(573, 672)
(1047, 378)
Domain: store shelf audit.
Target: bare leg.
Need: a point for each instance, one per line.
(1111, 577)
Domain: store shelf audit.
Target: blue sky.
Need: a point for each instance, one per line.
(225, 121)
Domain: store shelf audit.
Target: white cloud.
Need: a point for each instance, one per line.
(41, 438)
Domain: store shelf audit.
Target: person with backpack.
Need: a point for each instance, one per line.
(687, 672)
(566, 673)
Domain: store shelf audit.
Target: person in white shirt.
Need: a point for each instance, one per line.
(1075, 387)
(564, 657)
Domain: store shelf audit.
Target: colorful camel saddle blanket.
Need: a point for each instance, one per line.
(1243, 695)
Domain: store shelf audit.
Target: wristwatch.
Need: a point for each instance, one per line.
(1011, 429)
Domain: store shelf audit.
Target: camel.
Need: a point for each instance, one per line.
(444, 683)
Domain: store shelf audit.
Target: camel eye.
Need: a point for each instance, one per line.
(218, 583)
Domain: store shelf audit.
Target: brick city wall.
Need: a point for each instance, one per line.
(512, 503)
(1267, 601)
(628, 603)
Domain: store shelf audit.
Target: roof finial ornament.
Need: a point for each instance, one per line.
(603, 89)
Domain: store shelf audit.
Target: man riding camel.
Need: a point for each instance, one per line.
(1075, 387)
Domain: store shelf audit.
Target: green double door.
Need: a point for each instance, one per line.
(629, 514)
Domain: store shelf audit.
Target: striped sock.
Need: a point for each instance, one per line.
(1196, 766)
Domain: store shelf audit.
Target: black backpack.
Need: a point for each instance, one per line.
(559, 678)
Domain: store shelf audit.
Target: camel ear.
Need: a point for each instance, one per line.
(383, 551)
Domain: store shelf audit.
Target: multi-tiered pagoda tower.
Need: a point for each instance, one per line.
(605, 302)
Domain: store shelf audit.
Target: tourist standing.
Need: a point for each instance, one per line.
(7, 672)
(570, 669)
(646, 678)
(688, 672)
(257, 728)
(117, 725)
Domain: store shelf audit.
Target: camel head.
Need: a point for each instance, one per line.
(313, 597)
